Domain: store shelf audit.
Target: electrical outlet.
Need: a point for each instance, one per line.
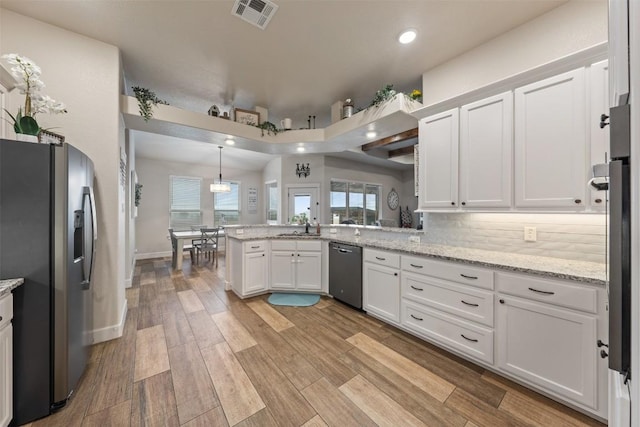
(414, 239)
(333, 231)
(530, 234)
(239, 231)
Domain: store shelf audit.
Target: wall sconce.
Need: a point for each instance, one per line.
(303, 171)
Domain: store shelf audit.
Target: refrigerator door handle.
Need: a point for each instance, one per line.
(87, 194)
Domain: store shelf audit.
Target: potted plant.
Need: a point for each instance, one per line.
(28, 75)
(147, 99)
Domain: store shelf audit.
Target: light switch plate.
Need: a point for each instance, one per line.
(414, 239)
(239, 231)
(333, 231)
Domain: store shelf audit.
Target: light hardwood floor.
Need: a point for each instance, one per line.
(195, 355)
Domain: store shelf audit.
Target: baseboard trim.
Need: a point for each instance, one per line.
(111, 332)
(150, 255)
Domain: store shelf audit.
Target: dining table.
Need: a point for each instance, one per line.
(188, 236)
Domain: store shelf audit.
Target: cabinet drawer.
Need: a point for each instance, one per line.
(549, 291)
(463, 336)
(283, 245)
(257, 246)
(460, 273)
(382, 257)
(309, 245)
(6, 310)
(464, 301)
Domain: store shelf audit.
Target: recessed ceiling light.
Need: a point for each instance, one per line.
(300, 149)
(229, 141)
(407, 36)
(371, 134)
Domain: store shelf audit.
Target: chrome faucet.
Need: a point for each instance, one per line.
(306, 227)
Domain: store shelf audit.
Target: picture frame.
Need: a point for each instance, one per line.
(247, 117)
(46, 137)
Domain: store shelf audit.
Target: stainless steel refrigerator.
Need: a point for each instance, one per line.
(48, 237)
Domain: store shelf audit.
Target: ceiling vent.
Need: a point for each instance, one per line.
(255, 12)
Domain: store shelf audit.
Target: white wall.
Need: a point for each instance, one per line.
(85, 75)
(153, 213)
(569, 28)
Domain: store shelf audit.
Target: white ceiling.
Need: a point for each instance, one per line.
(313, 52)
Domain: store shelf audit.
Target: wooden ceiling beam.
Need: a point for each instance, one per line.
(403, 136)
(401, 151)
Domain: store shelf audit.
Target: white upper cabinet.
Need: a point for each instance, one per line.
(599, 87)
(438, 136)
(486, 143)
(550, 147)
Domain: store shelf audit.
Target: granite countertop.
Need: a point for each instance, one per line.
(8, 285)
(582, 271)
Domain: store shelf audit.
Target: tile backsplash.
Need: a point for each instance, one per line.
(566, 236)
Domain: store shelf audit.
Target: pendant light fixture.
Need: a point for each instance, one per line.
(220, 187)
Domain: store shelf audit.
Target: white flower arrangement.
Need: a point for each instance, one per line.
(30, 84)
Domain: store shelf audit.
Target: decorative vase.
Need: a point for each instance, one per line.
(26, 138)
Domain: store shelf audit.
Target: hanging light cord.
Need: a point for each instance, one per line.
(220, 176)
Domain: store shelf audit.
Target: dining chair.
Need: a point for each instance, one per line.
(208, 244)
(174, 248)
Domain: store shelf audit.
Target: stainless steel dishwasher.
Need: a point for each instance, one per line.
(345, 273)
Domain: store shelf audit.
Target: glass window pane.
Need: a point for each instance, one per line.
(356, 202)
(272, 201)
(338, 200)
(372, 204)
(301, 206)
(184, 196)
(226, 206)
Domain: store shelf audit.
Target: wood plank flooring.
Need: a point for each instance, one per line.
(195, 355)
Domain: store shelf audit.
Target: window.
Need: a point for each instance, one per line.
(185, 202)
(355, 201)
(272, 202)
(226, 206)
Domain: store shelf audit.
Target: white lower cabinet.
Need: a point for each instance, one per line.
(296, 265)
(248, 267)
(547, 332)
(381, 284)
(548, 346)
(6, 360)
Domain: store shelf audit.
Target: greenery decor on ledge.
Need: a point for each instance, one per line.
(28, 74)
(383, 95)
(416, 95)
(138, 195)
(268, 127)
(147, 99)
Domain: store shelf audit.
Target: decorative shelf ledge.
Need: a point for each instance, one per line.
(390, 118)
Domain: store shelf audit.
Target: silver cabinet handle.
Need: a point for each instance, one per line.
(542, 292)
(469, 277)
(468, 339)
(417, 289)
(380, 258)
(416, 266)
(417, 318)
(468, 303)
(255, 247)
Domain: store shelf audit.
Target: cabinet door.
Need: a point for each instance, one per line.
(309, 270)
(381, 291)
(599, 136)
(550, 148)
(283, 266)
(255, 272)
(550, 347)
(486, 142)
(438, 136)
(6, 375)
